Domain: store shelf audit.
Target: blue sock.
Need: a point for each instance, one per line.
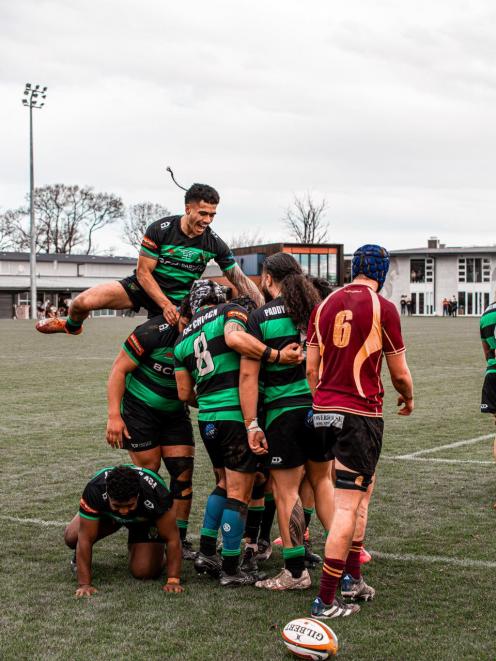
(214, 509)
(233, 527)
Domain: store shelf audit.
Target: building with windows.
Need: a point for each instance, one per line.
(428, 276)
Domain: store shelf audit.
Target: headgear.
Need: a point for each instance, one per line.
(205, 289)
(371, 261)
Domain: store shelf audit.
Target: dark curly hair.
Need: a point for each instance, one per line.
(199, 192)
(185, 308)
(122, 483)
(322, 285)
(246, 302)
(299, 295)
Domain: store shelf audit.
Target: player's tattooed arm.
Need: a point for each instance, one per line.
(297, 524)
(247, 345)
(244, 285)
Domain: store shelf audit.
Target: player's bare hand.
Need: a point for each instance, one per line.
(85, 591)
(407, 406)
(257, 442)
(173, 587)
(292, 354)
(171, 315)
(116, 431)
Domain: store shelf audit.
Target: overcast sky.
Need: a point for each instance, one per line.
(386, 108)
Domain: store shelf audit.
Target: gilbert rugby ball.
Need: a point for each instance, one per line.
(307, 638)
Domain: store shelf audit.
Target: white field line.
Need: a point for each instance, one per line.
(435, 460)
(400, 557)
(456, 444)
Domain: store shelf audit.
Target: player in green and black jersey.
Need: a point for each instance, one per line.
(488, 337)
(138, 499)
(145, 415)
(289, 438)
(207, 356)
(174, 253)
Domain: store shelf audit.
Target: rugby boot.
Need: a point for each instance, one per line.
(249, 564)
(338, 608)
(285, 581)
(264, 550)
(74, 564)
(187, 550)
(356, 589)
(236, 580)
(208, 564)
(364, 556)
(55, 325)
(311, 559)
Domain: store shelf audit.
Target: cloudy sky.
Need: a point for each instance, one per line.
(386, 108)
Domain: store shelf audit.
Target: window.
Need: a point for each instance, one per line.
(461, 302)
(421, 304)
(323, 266)
(429, 269)
(417, 270)
(314, 264)
(474, 269)
(302, 258)
(332, 268)
(470, 303)
(23, 298)
(486, 299)
(104, 313)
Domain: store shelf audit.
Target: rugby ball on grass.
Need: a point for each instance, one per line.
(307, 638)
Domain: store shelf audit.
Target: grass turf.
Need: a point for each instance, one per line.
(53, 408)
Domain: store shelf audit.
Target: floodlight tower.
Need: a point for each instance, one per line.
(34, 97)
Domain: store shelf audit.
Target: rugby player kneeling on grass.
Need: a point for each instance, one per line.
(145, 415)
(138, 499)
(347, 336)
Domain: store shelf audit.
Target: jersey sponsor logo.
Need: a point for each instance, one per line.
(184, 266)
(134, 342)
(196, 323)
(210, 430)
(328, 420)
(149, 505)
(226, 527)
(272, 312)
(309, 418)
(164, 226)
(276, 460)
(163, 327)
(84, 505)
(236, 314)
(166, 370)
(484, 406)
(148, 243)
(148, 479)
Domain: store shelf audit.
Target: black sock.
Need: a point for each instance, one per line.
(230, 564)
(295, 565)
(268, 517)
(72, 326)
(253, 521)
(307, 512)
(208, 545)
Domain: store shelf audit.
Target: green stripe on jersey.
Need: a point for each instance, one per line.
(151, 398)
(282, 327)
(273, 393)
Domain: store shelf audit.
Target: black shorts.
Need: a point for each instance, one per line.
(138, 533)
(227, 445)
(354, 440)
(139, 297)
(488, 401)
(150, 428)
(292, 440)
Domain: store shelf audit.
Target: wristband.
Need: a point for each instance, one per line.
(278, 357)
(173, 581)
(266, 354)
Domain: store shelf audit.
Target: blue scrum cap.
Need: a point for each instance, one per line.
(371, 261)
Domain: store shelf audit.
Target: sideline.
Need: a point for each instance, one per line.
(456, 444)
(438, 461)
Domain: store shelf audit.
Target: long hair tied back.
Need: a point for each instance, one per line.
(300, 296)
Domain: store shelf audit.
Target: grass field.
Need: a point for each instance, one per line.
(431, 522)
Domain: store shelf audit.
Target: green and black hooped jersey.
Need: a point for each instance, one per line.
(202, 350)
(151, 347)
(285, 387)
(488, 335)
(181, 259)
(154, 499)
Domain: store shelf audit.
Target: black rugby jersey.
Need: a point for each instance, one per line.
(151, 347)
(181, 259)
(488, 335)
(284, 386)
(154, 498)
(202, 350)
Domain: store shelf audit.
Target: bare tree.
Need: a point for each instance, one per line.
(66, 218)
(245, 239)
(138, 217)
(9, 233)
(305, 220)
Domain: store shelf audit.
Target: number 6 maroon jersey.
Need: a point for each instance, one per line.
(353, 327)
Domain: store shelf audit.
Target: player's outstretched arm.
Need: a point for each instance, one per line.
(88, 532)
(244, 285)
(168, 531)
(242, 342)
(248, 395)
(402, 381)
(116, 385)
(144, 273)
(313, 365)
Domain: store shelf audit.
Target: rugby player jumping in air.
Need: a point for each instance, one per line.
(145, 415)
(289, 437)
(347, 336)
(207, 356)
(138, 499)
(174, 253)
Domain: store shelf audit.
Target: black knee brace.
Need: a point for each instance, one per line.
(176, 466)
(351, 480)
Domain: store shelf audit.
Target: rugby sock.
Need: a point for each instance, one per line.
(268, 517)
(329, 581)
(233, 527)
(72, 326)
(253, 521)
(353, 559)
(214, 509)
(308, 512)
(294, 560)
(183, 528)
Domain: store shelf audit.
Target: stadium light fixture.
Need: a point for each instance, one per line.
(32, 101)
